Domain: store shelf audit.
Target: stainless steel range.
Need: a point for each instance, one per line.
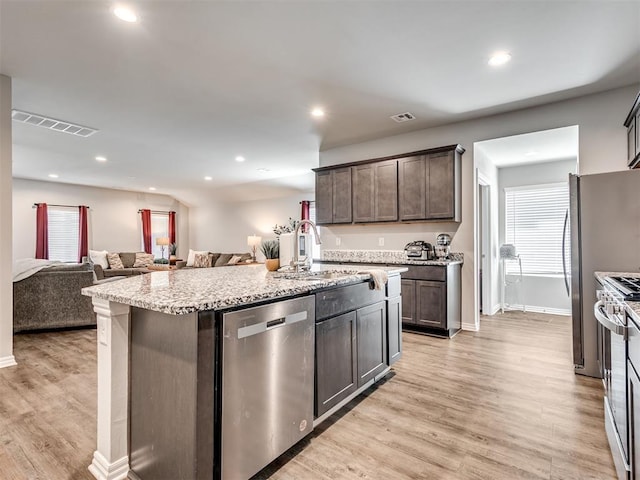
(612, 337)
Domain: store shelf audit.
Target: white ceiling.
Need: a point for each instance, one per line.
(178, 95)
(536, 147)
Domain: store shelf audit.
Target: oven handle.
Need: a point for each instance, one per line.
(601, 316)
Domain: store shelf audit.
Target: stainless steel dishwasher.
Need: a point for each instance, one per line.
(267, 383)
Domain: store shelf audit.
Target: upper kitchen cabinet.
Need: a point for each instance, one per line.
(375, 192)
(430, 185)
(333, 196)
(632, 123)
(416, 186)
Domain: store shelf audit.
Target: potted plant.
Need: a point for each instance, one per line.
(271, 251)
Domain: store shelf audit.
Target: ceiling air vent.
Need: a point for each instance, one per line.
(52, 123)
(403, 117)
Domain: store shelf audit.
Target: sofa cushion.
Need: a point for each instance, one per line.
(99, 257)
(142, 260)
(192, 256)
(114, 261)
(128, 259)
(234, 260)
(112, 272)
(214, 258)
(223, 259)
(202, 260)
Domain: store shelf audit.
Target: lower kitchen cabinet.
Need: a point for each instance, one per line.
(371, 338)
(432, 300)
(633, 392)
(336, 361)
(394, 329)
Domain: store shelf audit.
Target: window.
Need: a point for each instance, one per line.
(159, 229)
(315, 249)
(64, 230)
(534, 223)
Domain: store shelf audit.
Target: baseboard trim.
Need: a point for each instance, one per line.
(537, 309)
(8, 361)
(471, 327)
(103, 470)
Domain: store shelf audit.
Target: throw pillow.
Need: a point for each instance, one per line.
(192, 256)
(202, 260)
(143, 260)
(114, 261)
(234, 260)
(99, 258)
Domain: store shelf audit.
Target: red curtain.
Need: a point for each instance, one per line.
(42, 231)
(172, 227)
(146, 229)
(83, 237)
(305, 213)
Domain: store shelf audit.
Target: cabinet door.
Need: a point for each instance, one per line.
(342, 195)
(364, 192)
(441, 186)
(634, 421)
(412, 173)
(324, 197)
(386, 191)
(408, 301)
(394, 329)
(431, 306)
(371, 337)
(336, 374)
(632, 147)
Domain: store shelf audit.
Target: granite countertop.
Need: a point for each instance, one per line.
(385, 257)
(184, 291)
(632, 307)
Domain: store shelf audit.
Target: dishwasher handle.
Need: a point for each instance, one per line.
(262, 327)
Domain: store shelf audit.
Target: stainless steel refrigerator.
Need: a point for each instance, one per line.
(605, 236)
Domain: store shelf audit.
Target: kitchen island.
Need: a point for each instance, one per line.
(210, 373)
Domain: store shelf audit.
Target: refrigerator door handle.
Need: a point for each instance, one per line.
(564, 259)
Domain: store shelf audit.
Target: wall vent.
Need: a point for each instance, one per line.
(52, 123)
(403, 117)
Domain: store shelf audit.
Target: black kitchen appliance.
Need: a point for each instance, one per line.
(419, 250)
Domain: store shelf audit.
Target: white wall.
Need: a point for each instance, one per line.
(602, 149)
(6, 285)
(114, 221)
(539, 293)
(224, 227)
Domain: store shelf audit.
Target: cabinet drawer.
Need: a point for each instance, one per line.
(634, 343)
(427, 272)
(344, 299)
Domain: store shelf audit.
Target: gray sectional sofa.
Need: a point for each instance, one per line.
(51, 298)
(128, 259)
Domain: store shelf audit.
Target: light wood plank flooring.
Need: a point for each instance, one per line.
(502, 403)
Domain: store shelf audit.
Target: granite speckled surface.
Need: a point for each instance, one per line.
(184, 291)
(632, 307)
(396, 257)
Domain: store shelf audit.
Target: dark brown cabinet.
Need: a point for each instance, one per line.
(431, 299)
(333, 196)
(417, 186)
(429, 186)
(632, 122)
(336, 362)
(375, 192)
(371, 338)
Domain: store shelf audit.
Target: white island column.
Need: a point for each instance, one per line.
(110, 460)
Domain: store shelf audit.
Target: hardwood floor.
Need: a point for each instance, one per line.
(501, 403)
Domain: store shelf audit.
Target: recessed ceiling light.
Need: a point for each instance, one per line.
(208, 178)
(317, 112)
(239, 158)
(125, 13)
(53, 175)
(100, 158)
(499, 58)
(152, 188)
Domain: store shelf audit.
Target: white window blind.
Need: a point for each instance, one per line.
(64, 231)
(534, 223)
(315, 249)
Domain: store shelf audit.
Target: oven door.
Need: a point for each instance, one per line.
(615, 379)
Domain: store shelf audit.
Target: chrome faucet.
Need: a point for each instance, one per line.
(296, 263)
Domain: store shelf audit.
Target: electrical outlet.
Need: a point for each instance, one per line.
(381, 241)
(338, 241)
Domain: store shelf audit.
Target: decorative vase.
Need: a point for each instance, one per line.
(272, 264)
(172, 259)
